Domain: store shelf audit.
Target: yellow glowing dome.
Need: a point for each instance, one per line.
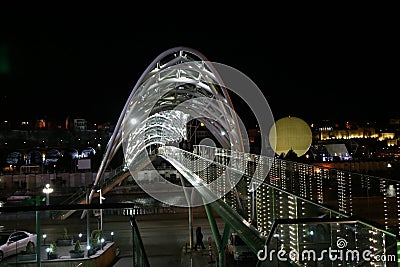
(290, 133)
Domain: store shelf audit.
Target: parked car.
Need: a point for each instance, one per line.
(238, 248)
(13, 242)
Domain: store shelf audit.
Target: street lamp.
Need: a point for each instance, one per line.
(47, 190)
(276, 235)
(101, 210)
(253, 202)
(43, 160)
(112, 236)
(44, 239)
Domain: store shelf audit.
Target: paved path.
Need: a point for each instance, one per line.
(199, 258)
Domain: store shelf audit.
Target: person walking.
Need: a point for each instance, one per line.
(199, 238)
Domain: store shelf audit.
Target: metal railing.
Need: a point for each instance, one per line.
(102, 245)
(118, 174)
(296, 192)
(374, 199)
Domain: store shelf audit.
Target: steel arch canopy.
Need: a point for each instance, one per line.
(178, 86)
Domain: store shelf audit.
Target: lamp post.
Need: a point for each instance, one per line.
(44, 239)
(276, 235)
(133, 224)
(253, 203)
(47, 190)
(87, 226)
(101, 198)
(43, 161)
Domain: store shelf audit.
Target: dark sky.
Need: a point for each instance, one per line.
(343, 68)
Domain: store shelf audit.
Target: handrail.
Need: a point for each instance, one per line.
(187, 164)
(346, 192)
(80, 196)
(304, 221)
(141, 259)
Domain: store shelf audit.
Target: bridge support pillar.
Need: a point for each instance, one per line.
(220, 242)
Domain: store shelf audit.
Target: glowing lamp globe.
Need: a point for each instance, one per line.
(290, 133)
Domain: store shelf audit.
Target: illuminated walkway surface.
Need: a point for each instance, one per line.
(264, 199)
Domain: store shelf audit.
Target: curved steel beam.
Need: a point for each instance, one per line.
(180, 54)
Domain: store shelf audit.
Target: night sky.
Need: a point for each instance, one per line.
(340, 70)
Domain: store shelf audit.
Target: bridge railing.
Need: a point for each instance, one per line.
(102, 245)
(275, 200)
(220, 179)
(306, 229)
(371, 198)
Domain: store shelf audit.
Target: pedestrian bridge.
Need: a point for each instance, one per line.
(298, 208)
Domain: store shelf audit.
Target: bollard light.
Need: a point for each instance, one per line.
(48, 253)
